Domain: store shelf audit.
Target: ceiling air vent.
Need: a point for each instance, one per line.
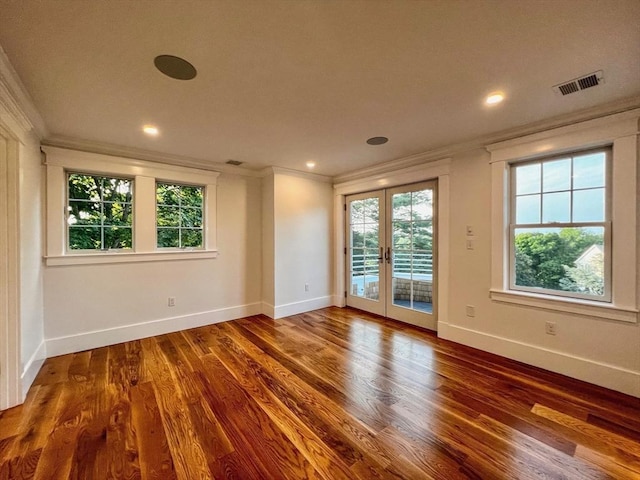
(234, 162)
(577, 84)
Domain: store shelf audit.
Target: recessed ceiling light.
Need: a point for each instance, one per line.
(377, 140)
(175, 67)
(494, 98)
(311, 164)
(150, 130)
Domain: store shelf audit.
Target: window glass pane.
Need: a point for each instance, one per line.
(85, 238)
(168, 216)
(401, 206)
(528, 179)
(421, 204)
(401, 235)
(84, 187)
(566, 259)
(556, 207)
(168, 237)
(166, 194)
(117, 214)
(589, 170)
(371, 210)
(84, 213)
(117, 237)
(528, 209)
(556, 175)
(191, 217)
(191, 196)
(588, 205)
(371, 236)
(422, 235)
(357, 236)
(191, 238)
(116, 190)
(357, 211)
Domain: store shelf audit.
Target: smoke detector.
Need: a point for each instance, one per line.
(587, 81)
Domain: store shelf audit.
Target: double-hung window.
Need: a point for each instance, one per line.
(179, 215)
(560, 226)
(99, 212)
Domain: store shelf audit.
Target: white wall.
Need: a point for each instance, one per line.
(91, 305)
(31, 270)
(597, 350)
(303, 215)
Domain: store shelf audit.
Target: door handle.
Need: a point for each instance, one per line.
(388, 255)
(381, 258)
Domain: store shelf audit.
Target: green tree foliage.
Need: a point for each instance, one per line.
(542, 258)
(179, 215)
(587, 278)
(99, 212)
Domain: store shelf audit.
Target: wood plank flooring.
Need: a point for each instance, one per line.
(331, 394)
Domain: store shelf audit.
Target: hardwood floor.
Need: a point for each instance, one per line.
(331, 394)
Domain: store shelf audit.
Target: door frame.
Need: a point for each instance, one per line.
(422, 168)
(10, 379)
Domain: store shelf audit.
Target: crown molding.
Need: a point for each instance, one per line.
(71, 143)
(619, 106)
(265, 172)
(16, 101)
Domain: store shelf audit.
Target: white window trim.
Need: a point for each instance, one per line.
(144, 175)
(621, 132)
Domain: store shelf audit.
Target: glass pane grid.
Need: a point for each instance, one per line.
(99, 212)
(179, 216)
(560, 226)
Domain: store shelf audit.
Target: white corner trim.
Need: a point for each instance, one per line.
(125, 333)
(280, 311)
(606, 375)
(128, 257)
(32, 367)
(17, 101)
(567, 305)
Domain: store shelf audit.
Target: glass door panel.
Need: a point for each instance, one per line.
(390, 251)
(411, 215)
(365, 262)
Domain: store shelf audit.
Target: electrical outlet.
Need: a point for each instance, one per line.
(306, 287)
(471, 311)
(550, 328)
(171, 301)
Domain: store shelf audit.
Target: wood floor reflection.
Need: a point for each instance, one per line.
(331, 394)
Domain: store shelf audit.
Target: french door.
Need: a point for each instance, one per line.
(391, 267)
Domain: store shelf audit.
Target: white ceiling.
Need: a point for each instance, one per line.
(283, 82)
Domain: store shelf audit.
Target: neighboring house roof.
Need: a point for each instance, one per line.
(588, 254)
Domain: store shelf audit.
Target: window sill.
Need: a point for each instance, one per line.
(568, 305)
(128, 257)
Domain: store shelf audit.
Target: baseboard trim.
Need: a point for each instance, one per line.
(295, 308)
(125, 333)
(602, 374)
(32, 367)
(338, 301)
(268, 310)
